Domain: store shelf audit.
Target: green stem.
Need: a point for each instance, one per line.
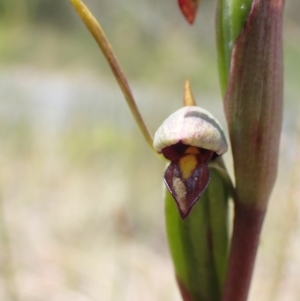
(252, 75)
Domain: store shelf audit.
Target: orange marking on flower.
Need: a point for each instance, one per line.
(187, 165)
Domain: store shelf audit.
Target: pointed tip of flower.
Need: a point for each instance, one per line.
(188, 97)
(189, 9)
(183, 212)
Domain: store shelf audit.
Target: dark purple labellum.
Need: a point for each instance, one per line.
(186, 182)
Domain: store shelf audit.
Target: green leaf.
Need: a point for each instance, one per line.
(199, 243)
(231, 18)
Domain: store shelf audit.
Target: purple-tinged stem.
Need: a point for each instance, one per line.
(253, 107)
(247, 227)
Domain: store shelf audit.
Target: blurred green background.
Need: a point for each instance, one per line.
(81, 209)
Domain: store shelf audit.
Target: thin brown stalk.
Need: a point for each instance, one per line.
(99, 36)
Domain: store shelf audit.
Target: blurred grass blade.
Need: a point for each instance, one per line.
(99, 36)
(199, 243)
(8, 271)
